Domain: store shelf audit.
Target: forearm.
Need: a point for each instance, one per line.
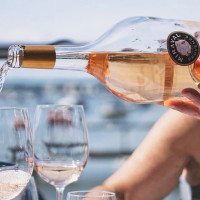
(153, 170)
(147, 176)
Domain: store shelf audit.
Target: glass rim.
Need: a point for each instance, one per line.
(59, 105)
(13, 108)
(80, 193)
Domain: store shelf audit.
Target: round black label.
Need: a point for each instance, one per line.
(183, 48)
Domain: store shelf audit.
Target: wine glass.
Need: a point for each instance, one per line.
(61, 144)
(16, 155)
(30, 192)
(91, 195)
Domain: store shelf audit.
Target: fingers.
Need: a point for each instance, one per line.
(192, 95)
(183, 106)
(192, 107)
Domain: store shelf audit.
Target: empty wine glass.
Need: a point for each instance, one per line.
(16, 155)
(91, 195)
(61, 144)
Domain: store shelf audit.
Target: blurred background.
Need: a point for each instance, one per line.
(116, 127)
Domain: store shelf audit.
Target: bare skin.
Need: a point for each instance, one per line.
(172, 147)
(191, 107)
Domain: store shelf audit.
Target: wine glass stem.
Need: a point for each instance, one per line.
(59, 193)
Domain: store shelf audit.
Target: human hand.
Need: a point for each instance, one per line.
(191, 107)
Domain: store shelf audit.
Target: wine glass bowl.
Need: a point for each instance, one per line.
(61, 144)
(16, 155)
(91, 195)
(30, 192)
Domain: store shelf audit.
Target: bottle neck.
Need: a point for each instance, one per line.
(48, 57)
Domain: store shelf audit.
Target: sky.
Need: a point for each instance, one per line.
(40, 21)
(43, 21)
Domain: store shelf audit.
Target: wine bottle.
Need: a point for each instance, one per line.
(141, 59)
